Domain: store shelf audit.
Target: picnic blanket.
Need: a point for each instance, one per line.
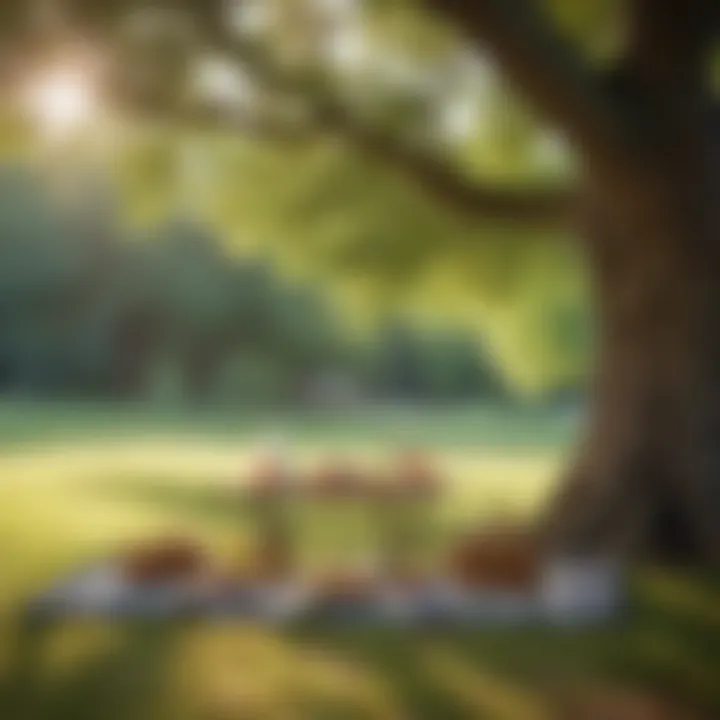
(101, 590)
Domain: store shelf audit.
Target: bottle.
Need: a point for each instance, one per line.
(270, 500)
(407, 513)
(336, 521)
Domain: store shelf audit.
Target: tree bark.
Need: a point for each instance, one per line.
(647, 476)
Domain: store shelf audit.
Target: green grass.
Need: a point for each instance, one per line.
(77, 481)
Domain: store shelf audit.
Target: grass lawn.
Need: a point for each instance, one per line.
(76, 481)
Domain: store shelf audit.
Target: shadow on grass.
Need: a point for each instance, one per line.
(114, 682)
(660, 663)
(131, 680)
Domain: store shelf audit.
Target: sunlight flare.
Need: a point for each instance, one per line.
(62, 100)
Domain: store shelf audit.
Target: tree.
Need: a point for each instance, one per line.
(643, 129)
(647, 472)
(425, 363)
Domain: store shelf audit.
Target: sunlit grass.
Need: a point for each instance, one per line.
(79, 500)
(76, 491)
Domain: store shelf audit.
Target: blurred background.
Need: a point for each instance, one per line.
(182, 227)
(219, 227)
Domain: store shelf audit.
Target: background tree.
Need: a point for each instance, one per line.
(91, 310)
(628, 85)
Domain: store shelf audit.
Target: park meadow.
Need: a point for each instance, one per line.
(82, 479)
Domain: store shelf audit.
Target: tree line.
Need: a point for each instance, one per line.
(89, 308)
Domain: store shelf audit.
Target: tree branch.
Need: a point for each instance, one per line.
(541, 66)
(523, 205)
(527, 205)
(538, 206)
(548, 207)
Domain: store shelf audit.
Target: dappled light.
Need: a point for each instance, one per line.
(358, 359)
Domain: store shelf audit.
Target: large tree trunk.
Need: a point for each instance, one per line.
(647, 477)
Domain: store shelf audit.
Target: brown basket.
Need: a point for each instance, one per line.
(499, 558)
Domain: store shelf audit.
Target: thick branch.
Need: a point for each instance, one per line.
(528, 205)
(537, 206)
(541, 66)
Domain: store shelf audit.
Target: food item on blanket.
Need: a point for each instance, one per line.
(236, 570)
(339, 478)
(414, 475)
(501, 557)
(345, 585)
(409, 582)
(166, 560)
(272, 560)
(270, 475)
